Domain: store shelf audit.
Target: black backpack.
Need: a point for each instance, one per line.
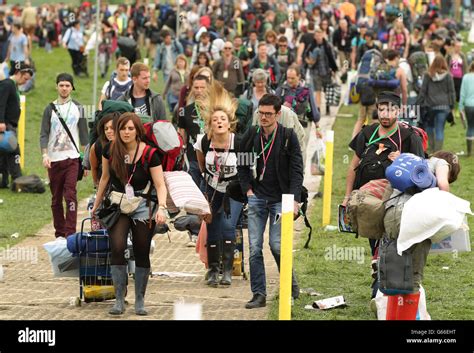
(372, 165)
(28, 183)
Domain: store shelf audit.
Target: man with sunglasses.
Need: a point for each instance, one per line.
(277, 170)
(229, 71)
(9, 117)
(379, 145)
(284, 55)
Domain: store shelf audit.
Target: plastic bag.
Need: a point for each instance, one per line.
(62, 261)
(381, 303)
(318, 159)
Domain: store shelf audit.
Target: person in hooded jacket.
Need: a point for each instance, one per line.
(439, 96)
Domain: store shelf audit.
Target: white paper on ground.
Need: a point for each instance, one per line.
(329, 303)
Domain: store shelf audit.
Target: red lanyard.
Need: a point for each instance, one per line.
(399, 138)
(265, 158)
(135, 165)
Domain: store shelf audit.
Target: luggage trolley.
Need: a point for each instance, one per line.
(95, 280)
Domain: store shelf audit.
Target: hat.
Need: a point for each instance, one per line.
(66, 77)
(389, 97)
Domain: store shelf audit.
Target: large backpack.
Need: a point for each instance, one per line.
(300, 101)
(419, 66)
(162, 135)
(374, 74)
(119, 90)
(366, 208)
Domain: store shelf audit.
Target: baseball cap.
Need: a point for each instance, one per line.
(66, 77)
(389, 97)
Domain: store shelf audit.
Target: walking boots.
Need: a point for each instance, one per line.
(119, 277)
(213, 259)
(227, 262)
(469, 147)
(141, 282)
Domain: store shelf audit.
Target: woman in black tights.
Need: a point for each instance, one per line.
(132, 167)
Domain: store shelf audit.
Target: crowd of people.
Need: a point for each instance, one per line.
(249, 77)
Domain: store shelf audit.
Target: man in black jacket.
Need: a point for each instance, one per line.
(342, 39)
(9, 116)
(278, 170)
(379, 145)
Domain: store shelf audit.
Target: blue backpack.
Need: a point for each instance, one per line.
(410, 173)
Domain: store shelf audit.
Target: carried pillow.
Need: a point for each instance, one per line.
(184, 194)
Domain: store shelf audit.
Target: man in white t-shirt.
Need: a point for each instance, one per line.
(60, 156)
(118, 85)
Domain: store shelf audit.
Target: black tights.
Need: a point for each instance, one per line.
(141, 239)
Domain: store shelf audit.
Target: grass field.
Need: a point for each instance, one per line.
(449, 292)
(27, 213)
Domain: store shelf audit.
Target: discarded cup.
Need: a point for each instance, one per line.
(1, 201)
(330, 228)
(15, 235)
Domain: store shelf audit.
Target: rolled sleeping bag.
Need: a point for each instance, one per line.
(389, 84)
(422, 176)
(399, 172)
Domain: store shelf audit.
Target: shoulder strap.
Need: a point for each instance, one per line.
(205, 144)
(63, 123)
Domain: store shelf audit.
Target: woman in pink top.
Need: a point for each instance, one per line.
(457, 64)
(399, 39)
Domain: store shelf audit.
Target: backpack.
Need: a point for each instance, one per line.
(28, 183)
(410, 173)
(244, 114)
(375, 72)
(395, 272)
(366, 208)
(118, 90)
(300, 101)
(162, 135)
(419, 66)
(421, 133)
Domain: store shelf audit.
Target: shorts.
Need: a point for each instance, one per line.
(319, 82)
(366, 113)
(142, 213)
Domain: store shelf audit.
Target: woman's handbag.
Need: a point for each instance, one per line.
(127, 206)
(108, 214)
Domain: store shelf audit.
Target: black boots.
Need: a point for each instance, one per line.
(258, 301)
(469, 147)
(119, 277)
(227, 262)
(141, 281)
(213, 259)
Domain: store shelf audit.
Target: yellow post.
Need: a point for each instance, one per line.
(328, 178)
(286, 257)
(21, 131)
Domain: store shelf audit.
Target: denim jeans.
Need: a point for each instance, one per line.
(436, 123)
(222, 226)
(195, 172)
(258, 212)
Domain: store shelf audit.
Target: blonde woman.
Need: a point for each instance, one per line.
(217, 157)
(176, 81)
(399, 39)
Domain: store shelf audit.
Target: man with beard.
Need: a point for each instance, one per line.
(380, 142)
